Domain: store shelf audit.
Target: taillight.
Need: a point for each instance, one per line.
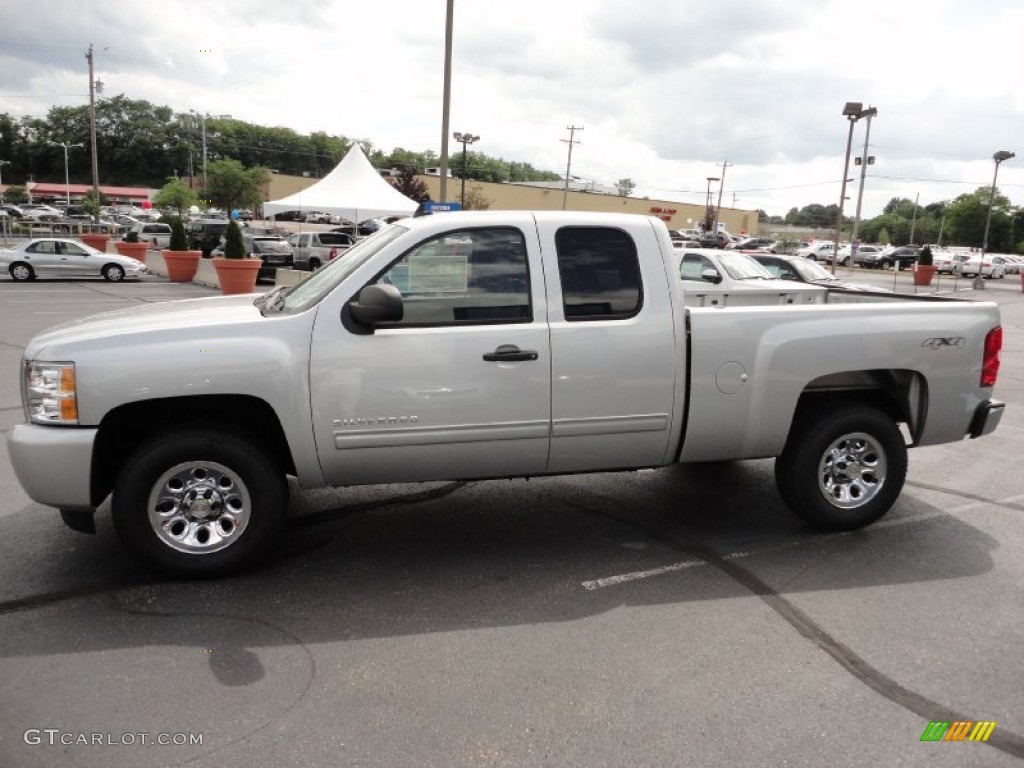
(990, 361)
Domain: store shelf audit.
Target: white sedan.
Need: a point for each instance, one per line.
(64, 257)
(989, 267)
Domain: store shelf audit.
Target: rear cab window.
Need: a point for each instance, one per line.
(600, 273)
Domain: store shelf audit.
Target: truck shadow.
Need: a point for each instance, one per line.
(371, 563)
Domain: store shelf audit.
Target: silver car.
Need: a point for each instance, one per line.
(63, 257)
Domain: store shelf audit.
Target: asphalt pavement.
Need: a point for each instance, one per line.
(678, 617)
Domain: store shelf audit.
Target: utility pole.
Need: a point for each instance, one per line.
(721, 186)
(913, 220)
(446, 98)
(92, 128)
(571, 140)
(864, 162)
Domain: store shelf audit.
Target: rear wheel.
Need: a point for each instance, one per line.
(314, 264)
(200, 502)
(843, 466)
(21, 271)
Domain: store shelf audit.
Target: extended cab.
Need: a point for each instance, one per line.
(483, 345)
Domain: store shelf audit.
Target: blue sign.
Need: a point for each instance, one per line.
(432, 207)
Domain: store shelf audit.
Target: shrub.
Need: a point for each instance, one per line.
(925, 257)
(178, 240)
(234, 248)
(131, 237)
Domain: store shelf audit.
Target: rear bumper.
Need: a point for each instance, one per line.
(986, 418)
(54, 464)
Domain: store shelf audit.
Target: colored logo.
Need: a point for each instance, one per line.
(958, 730)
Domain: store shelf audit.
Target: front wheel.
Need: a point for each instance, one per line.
(843, 466)
(884, 264)
(21, 272)
(113, 273)
(199, 502)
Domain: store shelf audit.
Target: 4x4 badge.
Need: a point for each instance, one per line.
(940, 343)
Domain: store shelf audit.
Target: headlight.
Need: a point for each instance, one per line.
(50, 393)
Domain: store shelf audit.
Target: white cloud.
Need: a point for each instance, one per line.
(666, 89)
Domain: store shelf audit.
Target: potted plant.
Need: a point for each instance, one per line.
(133, 247)
(924, 268)
(236, 271)
(97, 240)
(181, 262)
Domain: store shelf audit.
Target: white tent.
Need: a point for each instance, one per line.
(354, 190)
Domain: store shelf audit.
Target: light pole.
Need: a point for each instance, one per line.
(465, 139)
(2, 164)
(67, 183)
(853, 111)
(865, 161)
(979, 281)
(709, 216)
(202, 120)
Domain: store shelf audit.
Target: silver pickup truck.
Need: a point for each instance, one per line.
(483, 345)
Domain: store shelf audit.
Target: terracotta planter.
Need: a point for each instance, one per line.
(924, 274)
(132, 250)
(181, 265)
(99, 242)
(237, 275)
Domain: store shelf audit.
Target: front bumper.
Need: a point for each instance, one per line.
(986, 418)
(54, 464)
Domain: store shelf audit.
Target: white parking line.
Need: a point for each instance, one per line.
(611, 581)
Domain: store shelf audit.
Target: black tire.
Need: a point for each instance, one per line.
(113, 273)
(21, 271)
(884, 264)
(314, 264)
(843, 466)
(199, 502)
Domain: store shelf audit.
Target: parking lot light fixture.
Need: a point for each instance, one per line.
(67, 183)
(852, 111)
(709, 216)
(1000, 156)
(465, 139)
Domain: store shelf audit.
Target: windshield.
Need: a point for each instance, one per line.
(739, 266)
(324, 280)
(811, 271)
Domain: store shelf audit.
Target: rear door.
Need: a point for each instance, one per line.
(613, 346)
(43, 256)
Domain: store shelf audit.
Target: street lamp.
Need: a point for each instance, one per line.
(979, 282)
(67, 183)
(465, 139)
(2, 164)
(853, 111)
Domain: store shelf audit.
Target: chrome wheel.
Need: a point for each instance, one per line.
(113, 273)
(199, 507)
(852, 470)
(21, 272)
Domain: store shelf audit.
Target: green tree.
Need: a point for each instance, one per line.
(625, 187)
(16, 195)
(175, 194)
(409, 185)
(231, 186)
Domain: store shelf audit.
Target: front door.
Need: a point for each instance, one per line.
(460, 388)
(75, 261)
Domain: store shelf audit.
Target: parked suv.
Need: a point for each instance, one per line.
(901, 257)
(156, 234)
(204, 234)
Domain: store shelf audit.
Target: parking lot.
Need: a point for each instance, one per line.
(678, 617)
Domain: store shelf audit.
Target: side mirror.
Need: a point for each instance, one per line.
(375, 304)
(710, 276)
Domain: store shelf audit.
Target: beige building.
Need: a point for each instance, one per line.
(525, 197)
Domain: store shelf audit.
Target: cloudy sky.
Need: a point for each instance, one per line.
(666, 90)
